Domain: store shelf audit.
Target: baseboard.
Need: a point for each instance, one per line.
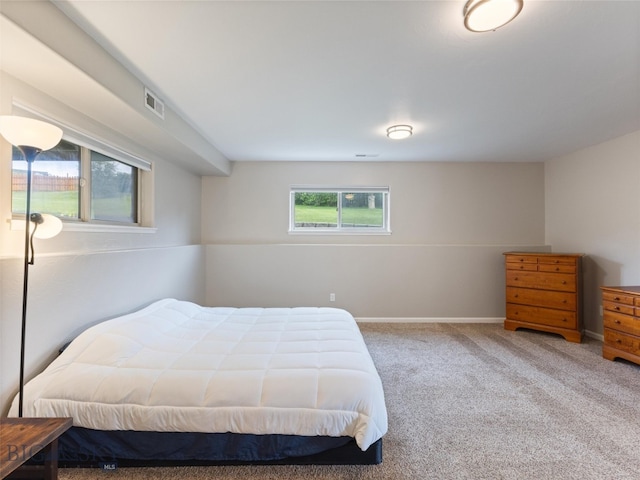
(587, 333)
(429, 319)
(595, 335)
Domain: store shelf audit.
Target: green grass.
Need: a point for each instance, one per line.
(63, 204)
(357, 216)
(66, 205)
(310, 214)
(362, 216)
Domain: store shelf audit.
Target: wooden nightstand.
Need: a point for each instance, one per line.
(24, 438)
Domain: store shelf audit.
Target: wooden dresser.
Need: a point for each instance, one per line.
(544, 293)
(621, 315)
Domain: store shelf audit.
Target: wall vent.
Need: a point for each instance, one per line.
(153, 103)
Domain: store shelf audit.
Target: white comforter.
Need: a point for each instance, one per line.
(177, 366)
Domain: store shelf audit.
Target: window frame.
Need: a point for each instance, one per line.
(87, 190)
(87, 143)
(385, 229)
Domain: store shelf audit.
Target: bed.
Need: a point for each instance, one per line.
(181, 383)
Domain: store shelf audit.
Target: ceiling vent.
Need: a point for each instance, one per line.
(153, 103)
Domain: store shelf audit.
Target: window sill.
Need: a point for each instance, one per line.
(337, 232)
(92, 227)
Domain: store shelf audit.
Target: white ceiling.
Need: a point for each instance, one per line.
(305, 80)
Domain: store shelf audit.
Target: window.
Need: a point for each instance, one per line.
(55, 182)
(113, 190)
(339, 210)
(84, 181)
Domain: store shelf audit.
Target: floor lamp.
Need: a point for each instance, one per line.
(30, 137)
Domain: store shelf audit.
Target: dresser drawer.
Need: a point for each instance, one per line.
(562, 268)
(618, 297)
(546, 281)
(623, 323)
(618, 307)
(531, 267)
(621, 341)
(557, 260)
(515, 258)
(541, 267)
(542, 316)
(528, 296)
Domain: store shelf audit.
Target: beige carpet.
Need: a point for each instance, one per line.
(478, 402)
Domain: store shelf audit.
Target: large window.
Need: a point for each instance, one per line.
(78, 183)
(339, 210)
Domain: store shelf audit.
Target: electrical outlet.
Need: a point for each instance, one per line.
(332, 297)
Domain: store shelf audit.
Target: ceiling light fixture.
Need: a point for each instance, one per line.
(398, 132)
(488, 15)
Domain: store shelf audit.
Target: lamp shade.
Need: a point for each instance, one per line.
(48, 225)
(487, 15)
(28, 132)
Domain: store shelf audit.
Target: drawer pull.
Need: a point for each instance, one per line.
(516, 296)
(617, 308)
(557, 269)
(564, 320)
(616, 298)
(617, 322)
(618, 340)
(564, 301)
(564, 282)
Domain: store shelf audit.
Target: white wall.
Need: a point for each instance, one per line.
(593, 206)
(431, 203)
(450, 223)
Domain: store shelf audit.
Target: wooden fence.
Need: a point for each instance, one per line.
(43, 183)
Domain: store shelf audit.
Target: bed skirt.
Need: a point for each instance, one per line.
(82, 447)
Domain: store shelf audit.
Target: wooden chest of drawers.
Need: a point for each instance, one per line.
(544, 293)
(621, 315)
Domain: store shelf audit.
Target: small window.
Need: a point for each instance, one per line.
(339, 210)
(74, 181)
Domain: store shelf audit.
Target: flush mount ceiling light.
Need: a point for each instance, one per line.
(487, 15)
(398, 132)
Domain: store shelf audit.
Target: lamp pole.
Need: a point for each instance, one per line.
(30, 153)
